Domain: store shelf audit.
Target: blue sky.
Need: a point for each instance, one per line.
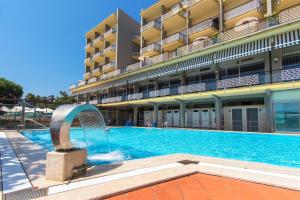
(42, 41)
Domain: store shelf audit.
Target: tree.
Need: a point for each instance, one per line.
(10, 91)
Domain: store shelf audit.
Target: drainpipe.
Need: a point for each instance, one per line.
(221, 20)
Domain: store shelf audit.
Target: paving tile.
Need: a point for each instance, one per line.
(208, 187)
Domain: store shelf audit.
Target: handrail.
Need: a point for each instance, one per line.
(32, 120)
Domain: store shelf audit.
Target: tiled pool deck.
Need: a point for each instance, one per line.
(111, 180)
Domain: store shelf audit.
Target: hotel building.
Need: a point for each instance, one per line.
(211, 64)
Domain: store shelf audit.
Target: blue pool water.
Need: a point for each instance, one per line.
(134, 143)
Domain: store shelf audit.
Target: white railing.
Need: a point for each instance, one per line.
(108, 66)
(73, 86)
(110, 31)
(81, 83)
(135, 96)
(289, 14)
(291, 74)
(193, 2)
(151, 47)
(90, 44)
(175, 10)
(238, 82)
(112, 99)
(153, 24)
(110, 48)
(111, 74)
(201, 26)
(245, 8)
(133, 66)
(201, 44)
(175, 37)
(98, 54)
(93, 102)
(159, 93)
(98, 39)
(97, 70)
(199, 87)
(153, 60)
(92, 80)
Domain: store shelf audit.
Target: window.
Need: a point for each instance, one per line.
(287, 116)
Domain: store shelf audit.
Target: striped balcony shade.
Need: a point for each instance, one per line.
(247, 49)
(200, 61)
(287, 39)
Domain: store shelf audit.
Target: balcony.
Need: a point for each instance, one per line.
(151, 50)
(281, 5)
(153, 60)
(135, 38)
(81, 83)
(238, 81)
(204, 29)
(88, 61)
(200, 87)
(92, 80)
(109, 67)
(110, 35)
(159, 93)
(174, 19)
(97, 72)
(174, 41)
(135, 96)
(289, 14)
(87, 75)
(252, 9)
(151, 30)
(201, 10)
(99, 41)
(112, 100)
(89, 47)
(73, 86)
(110, 51)
(99, 57)
(93, 102)
(291, 74)
(200, 44)
(133, 67)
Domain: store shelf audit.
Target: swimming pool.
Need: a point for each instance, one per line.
(135, 143)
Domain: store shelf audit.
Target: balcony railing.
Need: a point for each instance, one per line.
(88, 45)
(108, 66)
(93, 102)
(87, 75)
(92, 80)
(175, 10)
(87, 60)
(153, 24)
(98, 54)
(193, 2)
(110, 31)
(174, 38)
(73, 86)
(153, 60)
(151, 47)
(192, 88)
(200, 44)
(112, 100)
(289, 14)
(81, 83)
(111, 74)
(202, 26)
(110, 48)
(238, 82)
(133, 66)
(97, 70)
(135, 96)
(245, 8)
(291, 74)
(98, 39)
(159, 93)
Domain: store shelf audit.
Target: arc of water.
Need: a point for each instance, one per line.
(61, 122)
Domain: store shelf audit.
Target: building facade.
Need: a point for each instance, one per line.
(213, 64)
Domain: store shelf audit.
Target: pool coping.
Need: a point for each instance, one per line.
(39, 182)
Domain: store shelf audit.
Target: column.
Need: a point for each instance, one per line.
(87, 98)
(135, 115)
(269, 8)
(183, 78)
(156, 84)
(276, 65)
(218, 110)
(117, 117)
(182, 113)
(269, 110)
(221, 19)
(155, 113)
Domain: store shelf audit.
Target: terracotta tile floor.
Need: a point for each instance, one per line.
(207, 187)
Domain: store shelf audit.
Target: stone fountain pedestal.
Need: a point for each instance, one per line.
(60, 165)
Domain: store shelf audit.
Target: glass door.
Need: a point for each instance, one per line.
(237, 119)
(252, 120)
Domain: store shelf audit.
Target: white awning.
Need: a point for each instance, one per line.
(287, 39)
(195, 63)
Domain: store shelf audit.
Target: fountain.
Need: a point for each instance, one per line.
(66, 159)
